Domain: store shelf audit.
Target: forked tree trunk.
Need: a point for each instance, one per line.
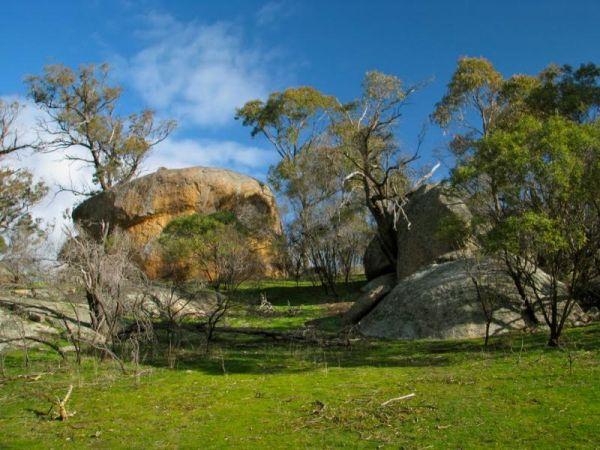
(98, 320)
(553, 341)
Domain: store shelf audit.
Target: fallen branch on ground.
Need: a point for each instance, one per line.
(404, 397)
(61, 405)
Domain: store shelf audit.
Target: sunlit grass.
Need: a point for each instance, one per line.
(255, 393)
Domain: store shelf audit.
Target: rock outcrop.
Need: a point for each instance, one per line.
(30, 317)
(432, 214)
(442, 302)
(144, 206)
(444, 290)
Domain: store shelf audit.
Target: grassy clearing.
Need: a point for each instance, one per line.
(294, 303)
(253, 393)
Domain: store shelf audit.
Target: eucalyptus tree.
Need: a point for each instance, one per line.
(293, 121)
(530, 172)
(365, 136)
(475, 103)
(82, 109)
(18, 190)
(309, 174)
(358, 139)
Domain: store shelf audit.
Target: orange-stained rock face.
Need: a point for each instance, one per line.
(144, 206)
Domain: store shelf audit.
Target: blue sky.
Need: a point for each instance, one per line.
(197, 60)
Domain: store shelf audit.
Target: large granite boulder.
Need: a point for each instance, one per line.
(432, 215)
(144, 206)
(441, 301)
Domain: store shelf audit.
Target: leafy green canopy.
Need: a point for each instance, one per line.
(479, 99)
(217, 246)
(291, 120)
(568, 92)
(528, 159)
(198, 226)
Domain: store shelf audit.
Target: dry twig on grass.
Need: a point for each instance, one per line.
(396, 399)
(59, 404)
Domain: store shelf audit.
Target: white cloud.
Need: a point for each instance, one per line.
(274, 12)
(198, 73)
(48, 167)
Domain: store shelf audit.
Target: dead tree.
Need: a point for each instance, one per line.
(104, 266)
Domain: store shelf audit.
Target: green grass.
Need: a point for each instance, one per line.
(294, 303)
(254, 393)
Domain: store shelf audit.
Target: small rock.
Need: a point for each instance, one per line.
(35, 317)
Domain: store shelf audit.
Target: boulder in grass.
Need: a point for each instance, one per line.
(432, 213)
(144, 207)
(441, 302)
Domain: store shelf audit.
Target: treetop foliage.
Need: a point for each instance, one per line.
(475, 83)
(290, 120)
(569, 92)
(82, 107)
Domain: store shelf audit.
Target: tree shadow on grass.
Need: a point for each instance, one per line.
(263, 356)
(283, 294)
(278, 359)
(40, 414)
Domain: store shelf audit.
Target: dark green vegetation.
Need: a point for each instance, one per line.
(252, 392)
(216, 245)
